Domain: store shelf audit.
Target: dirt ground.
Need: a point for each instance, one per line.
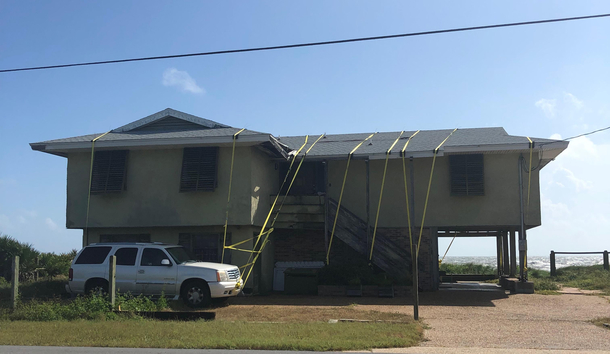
(471, 319)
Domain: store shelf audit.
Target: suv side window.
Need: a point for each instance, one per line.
(126, 256)
(153, 257)
(93, 255)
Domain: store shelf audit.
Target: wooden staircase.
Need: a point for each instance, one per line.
(387, 254)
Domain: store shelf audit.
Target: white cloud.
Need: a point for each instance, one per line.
(574, 199)
(573, 100)
(182, 80)
(50, 224)
(548, 106)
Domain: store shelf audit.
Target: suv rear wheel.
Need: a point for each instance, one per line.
(97, 287)
(196, 293)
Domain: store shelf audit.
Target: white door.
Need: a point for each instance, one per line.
(154, 277)
(126, 269)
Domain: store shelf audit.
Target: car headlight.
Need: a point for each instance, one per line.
(221, 275)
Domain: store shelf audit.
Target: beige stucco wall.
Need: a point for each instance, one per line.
(498, 207)
(152, 196)
(264, 183)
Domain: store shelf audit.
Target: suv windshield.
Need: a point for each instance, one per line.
(179, 255)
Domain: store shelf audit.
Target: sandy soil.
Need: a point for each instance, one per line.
(495, 320)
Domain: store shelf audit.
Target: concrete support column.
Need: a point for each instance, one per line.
(505, 263)
(513, 255)
(499, 254)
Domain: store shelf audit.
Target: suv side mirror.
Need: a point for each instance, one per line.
(166, 262)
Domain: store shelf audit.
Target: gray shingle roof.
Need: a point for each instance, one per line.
(424, 141)
(139, 135)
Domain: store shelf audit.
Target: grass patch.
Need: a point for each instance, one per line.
(310, 336)
(467, 268)
(588, 278)
(302, 314)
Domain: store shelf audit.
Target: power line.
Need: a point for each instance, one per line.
(589, 133)
(310, 44)
(574, 137)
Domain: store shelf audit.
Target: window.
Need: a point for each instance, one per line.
(108, 173)
(204, 247)
(126, 256)
(93, 255)
(466, 175)
(153, 257)
(199, 169)
(125, 238)
(309, 181)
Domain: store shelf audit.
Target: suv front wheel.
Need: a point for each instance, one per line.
(196, 293)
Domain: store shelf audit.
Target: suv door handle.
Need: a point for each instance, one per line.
(141, 271)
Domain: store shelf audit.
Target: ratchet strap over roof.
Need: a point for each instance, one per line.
(473, 140)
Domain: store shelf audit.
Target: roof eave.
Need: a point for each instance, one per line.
(65, 147)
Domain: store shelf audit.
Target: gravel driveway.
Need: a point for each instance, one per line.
(496, 320)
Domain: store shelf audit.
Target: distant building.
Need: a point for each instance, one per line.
(165, 178)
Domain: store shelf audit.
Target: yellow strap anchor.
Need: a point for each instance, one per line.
(349, 157)
(385, 169)
(89, 190)
(224, 238)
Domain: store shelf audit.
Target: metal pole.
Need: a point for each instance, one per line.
(326, 202)
(505, 263)
(368, 205)
(513, 254)
(606, 265)
(553, 269)
(15, 282)
(413, 250)
(522, 245)
(112, 280)
(499, 255)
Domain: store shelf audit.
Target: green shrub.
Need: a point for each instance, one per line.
(545, 284)
(93, 307)
(589, 278)
(56, 264)
(467, 268)
(9, 248)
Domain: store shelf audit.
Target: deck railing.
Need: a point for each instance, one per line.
(553, 253)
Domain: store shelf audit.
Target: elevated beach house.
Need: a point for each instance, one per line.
(176, 178)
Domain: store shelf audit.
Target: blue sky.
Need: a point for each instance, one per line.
(542, 81)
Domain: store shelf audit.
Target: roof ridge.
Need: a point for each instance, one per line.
(169, 112)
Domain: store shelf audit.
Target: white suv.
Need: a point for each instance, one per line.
(152, 269)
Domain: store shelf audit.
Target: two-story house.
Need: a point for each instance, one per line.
(166, 177)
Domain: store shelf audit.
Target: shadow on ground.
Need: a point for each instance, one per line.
(437, 298)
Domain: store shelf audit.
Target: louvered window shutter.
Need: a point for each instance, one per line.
(199, 169)
(108, 173)
(466, 175)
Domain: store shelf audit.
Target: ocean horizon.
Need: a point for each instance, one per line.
(535, 262)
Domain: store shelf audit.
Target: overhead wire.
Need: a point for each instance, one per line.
(308, 44)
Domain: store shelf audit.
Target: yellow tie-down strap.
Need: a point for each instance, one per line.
(385, 169)
(224, 237)
(421, 230)
(404, 172)
(234, 246)
(349, 158)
